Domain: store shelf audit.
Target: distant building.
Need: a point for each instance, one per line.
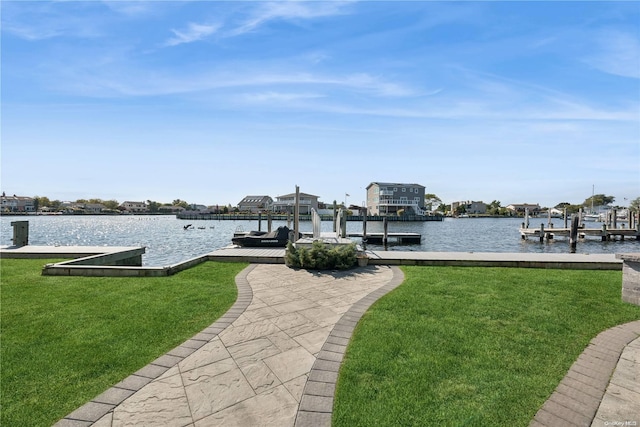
(389, 198)
(255, 204)
(93, 208)
(520, 208)
(171, 209)
(134, 206)
(287, 202)
(470, 207)
(17, 203)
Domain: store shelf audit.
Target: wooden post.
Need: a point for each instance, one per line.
(335, 217)
(343, 225)
(580, 220)
(573, 234)
(541, 232)
(604, 233)
(364, 226)
(269, 222)
(296, 215)
(385, 226)
(614, 218)
(259, 221)
(549, 217)
(566, 219)
(526, 217)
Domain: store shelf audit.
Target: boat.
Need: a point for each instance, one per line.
(592, 217)
(261, 239)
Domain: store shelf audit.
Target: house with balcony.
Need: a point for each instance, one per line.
(255, 204)
(287, 202)
(17, 203)
(134, 207)
(384, 198)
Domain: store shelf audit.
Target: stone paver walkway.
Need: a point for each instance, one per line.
(602, 386)
(252, 371)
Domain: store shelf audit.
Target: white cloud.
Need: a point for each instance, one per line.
(288, 10)
(616, 52)
(194, 32)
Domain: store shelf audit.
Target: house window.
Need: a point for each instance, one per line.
(395, 189)
(404, 190)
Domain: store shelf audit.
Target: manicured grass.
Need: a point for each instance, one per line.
(67, 339)
(472, 346)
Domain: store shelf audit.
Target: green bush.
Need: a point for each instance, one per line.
(321, 256)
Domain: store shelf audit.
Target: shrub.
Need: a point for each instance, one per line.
(321, 256)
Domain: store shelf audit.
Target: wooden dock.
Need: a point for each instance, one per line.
(604, 233)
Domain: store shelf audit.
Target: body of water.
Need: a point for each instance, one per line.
(167, 241)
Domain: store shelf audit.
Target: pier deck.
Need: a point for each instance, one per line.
(604, 233)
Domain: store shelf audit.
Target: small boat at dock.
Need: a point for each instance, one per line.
(262, 239)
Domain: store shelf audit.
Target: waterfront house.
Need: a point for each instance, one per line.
(385, 198)
(469, 207)
(134, 207)
(286, 203)
(17, 203)
(519, 208)
(255, 204)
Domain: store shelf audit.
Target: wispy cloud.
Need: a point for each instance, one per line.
(616, 52)
(287, 10)
(193, 33)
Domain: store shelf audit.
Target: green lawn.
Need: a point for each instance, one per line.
(472, 346)
(65, 340)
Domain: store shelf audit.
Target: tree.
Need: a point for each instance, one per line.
(494, 208)
(181, 203)
(111, 204)
(598, 200)
(429, 200)
(153, 206)
(635, 204)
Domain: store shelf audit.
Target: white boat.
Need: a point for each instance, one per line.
(591, 218)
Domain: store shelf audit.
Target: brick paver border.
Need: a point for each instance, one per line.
(107, 401)
(316, 404)
(576, 400)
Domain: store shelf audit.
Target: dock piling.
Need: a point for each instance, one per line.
(573, 235)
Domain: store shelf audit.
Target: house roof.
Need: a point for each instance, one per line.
(394, 184)
(254, 199)
(294, 195)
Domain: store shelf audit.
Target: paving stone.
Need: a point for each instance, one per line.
(133, 382)
(311, 403)
(259, 376)
(161, 403)
(91, 411)
(312, 341)
(65, 422)
(151, 371)
(113, 396)
(276, 407)
(211, 352)
(167, 361)
(254, 350)
(291, 364)
(315, 388)
(212, 388)
(296, 386)
(181, 351)
(313, 419)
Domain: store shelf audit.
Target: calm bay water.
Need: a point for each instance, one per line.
(167, 242)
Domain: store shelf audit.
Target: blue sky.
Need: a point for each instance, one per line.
(209, 101)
